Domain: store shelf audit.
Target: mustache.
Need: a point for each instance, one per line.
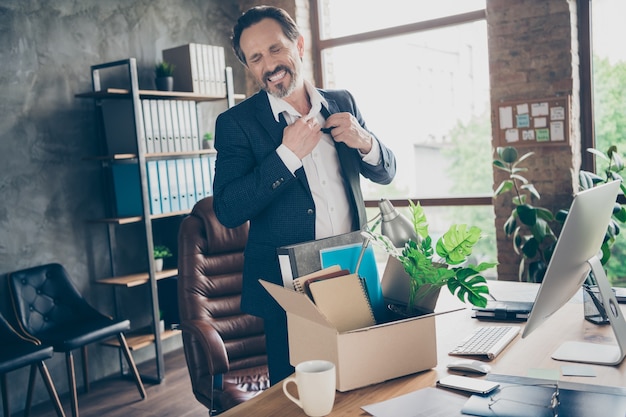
(276, 70)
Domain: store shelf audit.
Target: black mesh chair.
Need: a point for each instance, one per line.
(17, 352)
(49, 308)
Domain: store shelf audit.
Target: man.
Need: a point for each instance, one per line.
(277, 169)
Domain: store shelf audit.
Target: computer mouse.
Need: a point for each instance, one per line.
(469, 365)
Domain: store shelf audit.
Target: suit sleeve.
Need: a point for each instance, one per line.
(385, 171)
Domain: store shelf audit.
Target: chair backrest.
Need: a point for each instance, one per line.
(210, 265)
(44, 299)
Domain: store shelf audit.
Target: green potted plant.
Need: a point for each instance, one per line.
(164, 79)
(207, 141)
(445, 264)
(160, 252)
(528, 225)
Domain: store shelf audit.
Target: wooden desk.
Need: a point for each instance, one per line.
(521, 355)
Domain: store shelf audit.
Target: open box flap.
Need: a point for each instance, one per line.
(296, 303)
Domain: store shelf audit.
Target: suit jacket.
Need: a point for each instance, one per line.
(253, 184)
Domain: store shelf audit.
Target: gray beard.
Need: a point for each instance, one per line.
(282, 91)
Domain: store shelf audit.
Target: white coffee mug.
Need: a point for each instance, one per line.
(316, 387)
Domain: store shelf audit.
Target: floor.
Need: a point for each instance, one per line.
(118, 397)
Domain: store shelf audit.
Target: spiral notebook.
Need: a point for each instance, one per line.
(344, 302)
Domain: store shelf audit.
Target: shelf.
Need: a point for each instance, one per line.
(134, 280)
(128, 156)
(118, 220)
(137, 341)
(137, 219)
(179, 95)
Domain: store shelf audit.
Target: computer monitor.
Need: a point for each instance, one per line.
(575, 254)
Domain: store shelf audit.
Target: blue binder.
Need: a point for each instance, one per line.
(164, 186)
(183, 195)
(153, 187)
(172, 176)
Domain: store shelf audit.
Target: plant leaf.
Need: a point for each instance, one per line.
(527, 214)
(469, 286)
(457, 243)
(531, 188)
(420, 223)
(598, 153)
(505, 186)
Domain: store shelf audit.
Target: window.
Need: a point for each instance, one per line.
(421, 80)
(609, 100)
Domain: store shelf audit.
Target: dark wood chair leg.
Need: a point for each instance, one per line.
(31, 388)
(69, 359)
(5, 396)
(85, 368)
(54, 396)
(131, 364)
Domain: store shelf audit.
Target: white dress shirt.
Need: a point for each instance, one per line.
(322, 168)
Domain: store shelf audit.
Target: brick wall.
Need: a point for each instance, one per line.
(533, 54)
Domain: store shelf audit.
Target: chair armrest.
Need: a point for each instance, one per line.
(211, 343)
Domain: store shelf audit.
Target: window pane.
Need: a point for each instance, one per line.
(609, 78)
(426, 96)
(347, 17)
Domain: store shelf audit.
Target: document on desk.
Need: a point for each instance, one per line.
(427, 402)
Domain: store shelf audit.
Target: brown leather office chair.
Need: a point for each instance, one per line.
(224, 348)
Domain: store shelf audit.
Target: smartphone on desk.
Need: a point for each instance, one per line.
(467, 384)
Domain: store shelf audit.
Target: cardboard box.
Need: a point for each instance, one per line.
(364, 356)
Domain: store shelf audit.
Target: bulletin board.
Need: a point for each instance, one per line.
(539, 122)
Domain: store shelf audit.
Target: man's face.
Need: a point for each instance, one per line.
(273, 60)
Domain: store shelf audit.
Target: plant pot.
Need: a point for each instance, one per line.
(207, 144)
(400, 312)
(164, 83)
(158, 264)
(425, 303)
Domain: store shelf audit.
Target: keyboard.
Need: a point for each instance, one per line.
(486, 341)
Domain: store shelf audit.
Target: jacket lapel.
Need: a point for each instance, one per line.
(266, 118)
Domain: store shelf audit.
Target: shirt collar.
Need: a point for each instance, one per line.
(278, 105)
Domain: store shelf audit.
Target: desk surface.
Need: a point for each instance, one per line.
(517, 359)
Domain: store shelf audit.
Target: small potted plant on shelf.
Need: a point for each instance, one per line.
(160, 252)
(445, 264)
(207, 141)
(164, 78)
(528, 224)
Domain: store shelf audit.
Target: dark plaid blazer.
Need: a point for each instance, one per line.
(253, 184)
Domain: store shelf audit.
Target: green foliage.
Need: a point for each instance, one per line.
(453, 248)
(528, 225)
(161, 251)
(610, 125)
(207, 136)
(164, 69)
(614, 166)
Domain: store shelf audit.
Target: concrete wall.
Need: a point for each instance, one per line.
(47, 189)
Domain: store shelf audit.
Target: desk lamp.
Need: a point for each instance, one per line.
(394, 226)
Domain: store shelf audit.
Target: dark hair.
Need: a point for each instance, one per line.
(254, 16)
